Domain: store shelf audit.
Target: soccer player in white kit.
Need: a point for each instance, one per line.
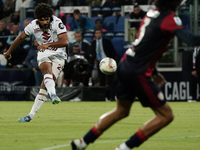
(51, 35)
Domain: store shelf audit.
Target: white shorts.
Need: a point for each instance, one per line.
(57, 61)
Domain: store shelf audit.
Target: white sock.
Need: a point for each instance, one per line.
(123, 146)
(83, 143)
(49, 84)
(39, 100)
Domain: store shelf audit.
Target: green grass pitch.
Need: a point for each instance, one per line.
(54, 126)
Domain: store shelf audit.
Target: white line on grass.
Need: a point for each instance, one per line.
(67, 145)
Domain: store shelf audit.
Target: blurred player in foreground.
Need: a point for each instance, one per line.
(52, 38)
(135, 76)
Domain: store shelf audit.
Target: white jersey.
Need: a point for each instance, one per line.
(56, 28)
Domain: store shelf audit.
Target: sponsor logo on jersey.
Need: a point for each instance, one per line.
(178, 21)
(61, 26)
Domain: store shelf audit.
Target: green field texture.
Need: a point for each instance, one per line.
(54, 126)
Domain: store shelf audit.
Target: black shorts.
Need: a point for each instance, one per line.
(133, 85)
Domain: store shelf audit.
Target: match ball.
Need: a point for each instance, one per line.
(108, 66)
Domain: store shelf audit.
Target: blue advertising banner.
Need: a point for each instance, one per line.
(16, 85)
(14, 82)
(17, 77)
(177, 88)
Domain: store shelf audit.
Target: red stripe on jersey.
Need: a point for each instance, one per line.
(168, 24)
(123, 57)
(46, 36)
(140, 134)
(95, 131)
(148, 90)
(62, 33)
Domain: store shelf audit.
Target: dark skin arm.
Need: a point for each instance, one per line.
(15, 44)
(62, 42)
(159, 79)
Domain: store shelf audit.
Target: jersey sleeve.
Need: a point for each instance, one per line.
(60, 27)
(188, 37)
(29, 29)
(171, 23)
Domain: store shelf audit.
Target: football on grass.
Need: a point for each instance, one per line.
(108, 66)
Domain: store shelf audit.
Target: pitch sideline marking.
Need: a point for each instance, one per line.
(67, 145)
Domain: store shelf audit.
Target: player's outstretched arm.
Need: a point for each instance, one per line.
(15, 43)
(62, 42)
(188, 37)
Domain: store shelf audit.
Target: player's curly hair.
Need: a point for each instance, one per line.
(43, 10)
(167, 4)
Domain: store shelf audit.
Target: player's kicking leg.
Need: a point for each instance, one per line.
(105, 121)
(49, 81)
(42, 95)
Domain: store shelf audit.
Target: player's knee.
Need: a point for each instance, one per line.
(126, 114)
(122, 113)
(45, 69)
(168, 118)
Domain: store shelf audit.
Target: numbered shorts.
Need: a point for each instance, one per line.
(57, 62)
